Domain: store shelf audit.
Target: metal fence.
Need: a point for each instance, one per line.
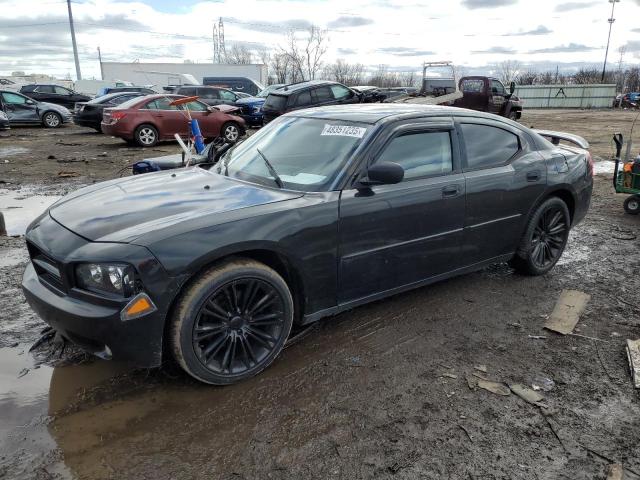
(567, 96)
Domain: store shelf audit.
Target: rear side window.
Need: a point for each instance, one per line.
(61, 90)
(44, 89)
(187, 91)
(303, 99)
(122, 99)
(497, 88)
(488, 146)
(324, 94)
(275, 102)
(421, 154)
(28, 88)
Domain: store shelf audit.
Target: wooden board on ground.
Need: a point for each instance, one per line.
(633, 354)
(567, 311)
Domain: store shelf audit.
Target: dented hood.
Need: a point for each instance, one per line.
(125, 209)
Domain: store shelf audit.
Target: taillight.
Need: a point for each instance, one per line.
(589, 163)
(118, 115)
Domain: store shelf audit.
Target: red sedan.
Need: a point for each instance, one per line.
(150, 119)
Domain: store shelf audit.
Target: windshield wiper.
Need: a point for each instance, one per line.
(272, 170)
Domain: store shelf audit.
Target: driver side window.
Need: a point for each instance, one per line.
(421, 154)
(61, 90)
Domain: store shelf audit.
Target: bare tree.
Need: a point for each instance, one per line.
(409, 79)
(279, 67)
(588, 75)
(305, 56)
(528, 77)
(344, 72)
(508, 70)
(239, 55)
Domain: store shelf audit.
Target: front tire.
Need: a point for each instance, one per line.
(544, 239)
(146, 136)
(632, 205)
(232, 322)
(51, 120)
(231, 132)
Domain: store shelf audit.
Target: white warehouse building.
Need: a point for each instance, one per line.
(145, 73)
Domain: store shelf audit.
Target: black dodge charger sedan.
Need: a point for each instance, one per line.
(320, 211)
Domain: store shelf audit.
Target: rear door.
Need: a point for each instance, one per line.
(397, 235)
(19, 108)
(504, 177)
(322, 96)
(168, 118)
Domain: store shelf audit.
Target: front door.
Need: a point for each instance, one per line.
(397, 235)
(19, 108)
(503, 177)
(497, 97)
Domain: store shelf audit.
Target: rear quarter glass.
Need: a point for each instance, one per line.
(275, 102)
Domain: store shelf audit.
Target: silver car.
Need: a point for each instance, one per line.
(22, 110)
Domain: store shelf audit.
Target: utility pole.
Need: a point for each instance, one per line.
(100, 60)
(73, 41)
(606, 54)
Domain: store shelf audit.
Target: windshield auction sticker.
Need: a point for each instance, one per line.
(343, 131)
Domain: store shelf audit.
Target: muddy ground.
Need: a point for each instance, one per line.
(377, 392)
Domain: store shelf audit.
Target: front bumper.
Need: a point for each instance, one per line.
(96, 328)
(90, 320)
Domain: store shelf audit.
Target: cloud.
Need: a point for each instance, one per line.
(496, 50)
(540, 30)
(349, 21)
(567, 7)
(488, 3)
(347, 51)
(570, 48)
(633, 46)
(265, 26)
(405, 51)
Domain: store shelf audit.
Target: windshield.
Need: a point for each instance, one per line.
(306, 153)
(264, 93)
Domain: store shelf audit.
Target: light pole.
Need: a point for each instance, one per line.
(73, 42)
(606, 54)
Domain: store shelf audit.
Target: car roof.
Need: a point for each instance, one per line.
(296, 87)
(378, 112)
(111, 95)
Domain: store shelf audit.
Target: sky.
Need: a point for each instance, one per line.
(475, 34)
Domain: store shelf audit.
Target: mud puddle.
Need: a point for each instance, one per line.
(9, 151)
(20, 207)
(31, 395)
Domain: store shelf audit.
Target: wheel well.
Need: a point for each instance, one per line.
(274, 260)
(566, 197)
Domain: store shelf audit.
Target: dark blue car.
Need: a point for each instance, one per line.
(252, 106)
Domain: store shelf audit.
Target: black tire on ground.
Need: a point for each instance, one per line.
(231, 322)
(98, 129)
(146, 135)
(544, 238)
(51, 119)
(513, 115)
(231, 132)
(632, 205)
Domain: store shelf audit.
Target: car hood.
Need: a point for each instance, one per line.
(53, 106)
(125, 209)
(250, 101)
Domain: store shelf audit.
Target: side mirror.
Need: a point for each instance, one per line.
(212, 109)
(30, 102)
(383, 173)
(512, 87)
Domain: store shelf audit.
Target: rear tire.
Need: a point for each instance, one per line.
(230, 131)
(544, 239)
(146, 136)
(632, 205)
(513, 115)
(231, 322)
(51, 120)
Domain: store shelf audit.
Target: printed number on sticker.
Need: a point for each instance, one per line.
(343, 131)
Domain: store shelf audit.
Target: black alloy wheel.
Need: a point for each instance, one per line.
(544, 239)
(231, 322)
(238, 326)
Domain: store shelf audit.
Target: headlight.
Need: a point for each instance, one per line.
(257, 109)
(3, 116)
(105, 278)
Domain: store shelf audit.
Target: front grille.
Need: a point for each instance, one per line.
(47, 269)
(247, 110)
